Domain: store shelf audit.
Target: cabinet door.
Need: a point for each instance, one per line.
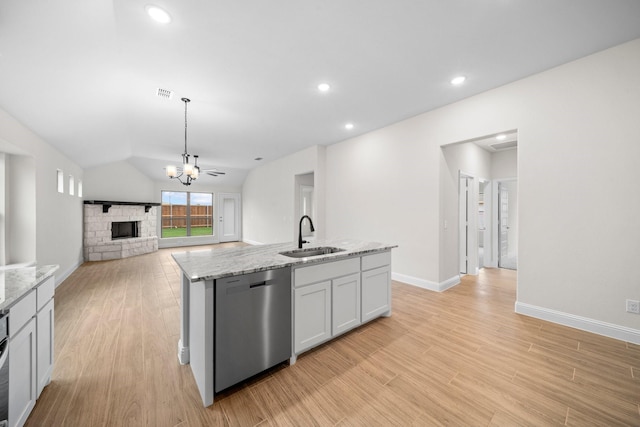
(22, 374)
(312, 315)
(376, 293)
(44, 328)
(346, 303)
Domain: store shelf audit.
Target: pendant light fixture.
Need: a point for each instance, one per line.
(188, 172)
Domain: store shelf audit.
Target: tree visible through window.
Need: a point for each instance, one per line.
(186, 214)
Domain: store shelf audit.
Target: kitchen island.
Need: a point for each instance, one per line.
(327, 295)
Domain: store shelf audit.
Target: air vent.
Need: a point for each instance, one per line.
(164, 93)
(504, 145)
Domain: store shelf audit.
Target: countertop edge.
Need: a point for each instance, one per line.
(16, 291)
(281, 261)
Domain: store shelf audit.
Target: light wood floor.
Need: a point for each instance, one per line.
(460, 358)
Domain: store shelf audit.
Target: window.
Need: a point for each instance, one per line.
(79, 188)
(72, 185)
(186, 214)
(60, 181)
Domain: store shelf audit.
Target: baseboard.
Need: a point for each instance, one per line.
(426, 284)
(252, 242)
(179, 242)
(583, 323)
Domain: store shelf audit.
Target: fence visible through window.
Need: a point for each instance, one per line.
(186, 214)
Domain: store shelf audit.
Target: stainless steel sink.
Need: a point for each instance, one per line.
(308, 252)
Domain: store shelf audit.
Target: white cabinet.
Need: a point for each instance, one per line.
(22, 360)
(334, 297)
(44, 332)
(312, 318)
(345, 298)
(376, 285)
(30, 349)
(44, 328)
(375, 293)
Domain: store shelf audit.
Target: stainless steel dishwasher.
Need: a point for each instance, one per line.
(252, 324)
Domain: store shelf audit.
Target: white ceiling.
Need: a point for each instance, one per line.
(84, 74)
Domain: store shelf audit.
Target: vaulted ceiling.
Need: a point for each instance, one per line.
(84, 74)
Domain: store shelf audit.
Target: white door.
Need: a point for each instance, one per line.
(507, 225)
(229, 217)
(482, 224)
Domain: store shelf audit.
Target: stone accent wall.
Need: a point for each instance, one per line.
(98, 245)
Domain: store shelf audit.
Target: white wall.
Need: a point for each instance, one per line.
(578, 190)
(20, 233)
(577, 133)
(119, 181)
(504, 164)
(122, 182)
(268, 197)
(58, 217)
(383, 186)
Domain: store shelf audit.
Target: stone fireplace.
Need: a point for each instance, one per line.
(114, 230)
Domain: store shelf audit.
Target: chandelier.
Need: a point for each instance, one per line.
(188, 172)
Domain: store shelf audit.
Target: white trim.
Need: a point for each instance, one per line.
(583, 323)
(176, 242)
(252, 242)
(426, 284)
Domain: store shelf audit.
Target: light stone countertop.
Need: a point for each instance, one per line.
(223, 262)
(17, 282)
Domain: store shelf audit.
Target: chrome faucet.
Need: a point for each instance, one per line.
(300, 241)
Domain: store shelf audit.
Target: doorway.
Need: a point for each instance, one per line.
(304, 204)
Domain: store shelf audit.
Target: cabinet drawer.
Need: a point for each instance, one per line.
(376, 260)
(44, 292)
(319, 272)
(21, 312)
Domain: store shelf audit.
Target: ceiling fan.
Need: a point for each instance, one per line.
(192, 172)
(212, 172)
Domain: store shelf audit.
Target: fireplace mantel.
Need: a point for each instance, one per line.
(107, 204)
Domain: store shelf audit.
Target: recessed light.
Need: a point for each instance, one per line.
(348, 126)
(158, 14)
(324, 87)
(257, 159)
(457, 81)
(501, 137)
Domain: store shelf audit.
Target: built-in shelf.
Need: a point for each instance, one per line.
(107, 204)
